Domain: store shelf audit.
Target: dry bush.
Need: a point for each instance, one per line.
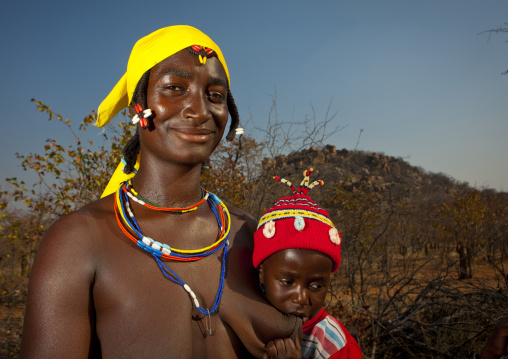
(67, 177)
(397, 289)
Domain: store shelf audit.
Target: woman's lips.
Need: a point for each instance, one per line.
(193, 134)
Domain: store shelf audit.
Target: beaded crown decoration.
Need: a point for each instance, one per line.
(202, 52)
(297, 206)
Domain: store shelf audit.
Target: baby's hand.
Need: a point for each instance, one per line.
(283, 349)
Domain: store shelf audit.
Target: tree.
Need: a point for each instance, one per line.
(67, 178)
(500, 29)
(395, 287)
(231, 171)
(476, 222)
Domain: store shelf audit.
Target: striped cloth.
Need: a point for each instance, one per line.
(325, 337)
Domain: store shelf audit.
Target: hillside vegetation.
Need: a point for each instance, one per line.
(424, 269)
(425, 258)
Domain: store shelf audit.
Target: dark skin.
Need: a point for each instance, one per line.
(94, 293)
(497, 343)
(296, 282)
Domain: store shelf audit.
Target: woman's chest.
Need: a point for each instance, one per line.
(144, 310)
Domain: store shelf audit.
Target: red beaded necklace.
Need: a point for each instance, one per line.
(129, 190)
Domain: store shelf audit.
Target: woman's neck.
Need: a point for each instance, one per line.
(167, 184)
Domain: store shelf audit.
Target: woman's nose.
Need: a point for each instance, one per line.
(197, 107)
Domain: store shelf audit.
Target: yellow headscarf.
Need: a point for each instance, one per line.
(146, 53)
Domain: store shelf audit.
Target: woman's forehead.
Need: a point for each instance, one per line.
(185, 64)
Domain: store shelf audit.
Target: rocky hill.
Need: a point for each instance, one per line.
(358, 169)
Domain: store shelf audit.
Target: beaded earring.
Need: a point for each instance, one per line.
(238, 131)
(205, 165)
(141, 116)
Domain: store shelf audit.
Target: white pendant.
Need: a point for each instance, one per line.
(269, 230)
(335, 236)
(299, 223)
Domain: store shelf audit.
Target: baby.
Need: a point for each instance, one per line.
(296, 248)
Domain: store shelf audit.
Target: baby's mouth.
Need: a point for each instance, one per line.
(301, 315)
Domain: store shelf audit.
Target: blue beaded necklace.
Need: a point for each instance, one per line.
(163, 250)
(123, 210)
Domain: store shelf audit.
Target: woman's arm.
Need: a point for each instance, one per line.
(251, 317)
(59, 318)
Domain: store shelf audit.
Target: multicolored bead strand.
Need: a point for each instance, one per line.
(171, 275)
(163, 250)
(144, 202)
(127, 221)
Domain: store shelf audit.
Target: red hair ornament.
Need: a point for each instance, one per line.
(202, 52)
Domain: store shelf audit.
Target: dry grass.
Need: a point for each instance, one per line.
(452, 312)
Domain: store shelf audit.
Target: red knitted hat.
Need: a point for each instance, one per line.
(296, 222)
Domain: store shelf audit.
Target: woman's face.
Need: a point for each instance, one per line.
(296, 281)
(189, 102)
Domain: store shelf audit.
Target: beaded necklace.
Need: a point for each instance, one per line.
(129, 189)
(126, 220)
(123, 208)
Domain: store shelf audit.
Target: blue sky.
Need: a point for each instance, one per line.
(414, 75)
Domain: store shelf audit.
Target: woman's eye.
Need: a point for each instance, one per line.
(173, 88)
(216, 97)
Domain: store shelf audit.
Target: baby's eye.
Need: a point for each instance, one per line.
(316, 286)
(286, 282)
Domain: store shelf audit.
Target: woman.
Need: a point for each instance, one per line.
(158, 267)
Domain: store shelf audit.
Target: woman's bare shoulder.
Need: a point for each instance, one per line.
(243, 224)
(85, 223)
(242, 216)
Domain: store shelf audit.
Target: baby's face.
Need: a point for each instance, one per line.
(296, 281)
